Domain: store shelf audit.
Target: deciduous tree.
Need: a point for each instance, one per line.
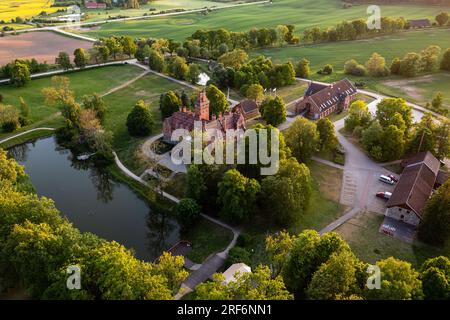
(140, 120)
(302, 138)
(273, 110)
(237, 196)
(435, 225)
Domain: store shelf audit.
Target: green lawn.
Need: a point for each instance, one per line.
(120, 103)
(206, 238)
(98, 80)
(420, 89)
(361, 232)
(302, 14)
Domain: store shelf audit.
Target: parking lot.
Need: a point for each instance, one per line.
(360, 187)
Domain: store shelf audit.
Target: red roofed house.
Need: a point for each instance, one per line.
(248, 108)
(185, 118)
(418, 179)
(92, 4)
(321, 100)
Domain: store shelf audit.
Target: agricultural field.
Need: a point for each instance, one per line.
(43, 46)
(154, 7)
(99, 80)
(302, 14)
(10, 9)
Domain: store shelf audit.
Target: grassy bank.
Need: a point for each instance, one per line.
(361, 232)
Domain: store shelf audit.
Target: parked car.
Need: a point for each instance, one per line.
(384, 195)
(393, 177)
(386, 179)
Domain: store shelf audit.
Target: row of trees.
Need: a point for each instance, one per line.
(221, 40)
(38, 245)
(10, 70)
(409, 66)
(352, 30)
(391, 133)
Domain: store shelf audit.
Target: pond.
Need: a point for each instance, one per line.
(95, 203)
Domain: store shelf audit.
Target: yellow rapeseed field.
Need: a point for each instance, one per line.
(10, 9)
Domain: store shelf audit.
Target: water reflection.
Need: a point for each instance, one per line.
(94, 202)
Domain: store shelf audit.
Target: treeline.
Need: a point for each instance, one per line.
(37, 245)
(409, 66)
(352, 30)
(7, 70)
(212, 40)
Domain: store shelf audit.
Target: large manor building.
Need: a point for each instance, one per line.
(321, 100)
(185, 119)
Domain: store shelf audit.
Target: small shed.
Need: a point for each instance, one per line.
(419, 23)
(234, 271)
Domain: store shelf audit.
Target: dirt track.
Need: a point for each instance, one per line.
(43, 46)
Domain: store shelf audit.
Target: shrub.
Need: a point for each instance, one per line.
(328, 69)
(352, 67)
(238, 255)
(140, 120)
(188, 212)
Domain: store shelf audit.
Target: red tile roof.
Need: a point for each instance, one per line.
(416, 183)
(330, 95)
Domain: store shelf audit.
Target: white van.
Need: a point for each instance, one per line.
(386, 179)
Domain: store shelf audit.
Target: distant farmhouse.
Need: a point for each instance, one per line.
(93, 4)
(248, 108)
(419, 23)
(421, 175)
(321, 100)
(185, 118)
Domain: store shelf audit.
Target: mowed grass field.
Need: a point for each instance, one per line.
(10, 9)
(303, 14)
(336, 53)
(420, 89)
(361, 233)
(99, 80)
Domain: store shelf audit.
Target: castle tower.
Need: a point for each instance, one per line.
(202, 107)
